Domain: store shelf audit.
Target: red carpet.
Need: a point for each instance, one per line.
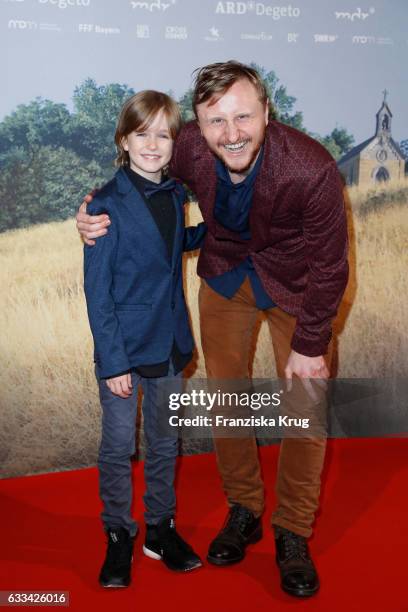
(52, 540)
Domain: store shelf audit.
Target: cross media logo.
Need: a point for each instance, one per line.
(63, 4)
(156, 5)
(259, 8)
(176, 33)
(357, 14)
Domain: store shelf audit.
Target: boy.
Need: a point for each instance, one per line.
(139, 322)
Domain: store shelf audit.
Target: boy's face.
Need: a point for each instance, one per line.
(150, 151)
(234, 127)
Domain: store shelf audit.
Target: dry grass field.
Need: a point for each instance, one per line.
(49, 414)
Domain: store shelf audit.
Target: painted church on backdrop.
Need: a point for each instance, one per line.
(377, 159)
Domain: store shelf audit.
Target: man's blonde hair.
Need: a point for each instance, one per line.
(212, 82)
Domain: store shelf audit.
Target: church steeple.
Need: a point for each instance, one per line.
(384, 117)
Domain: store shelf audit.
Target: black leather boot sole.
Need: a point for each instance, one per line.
(301, 593)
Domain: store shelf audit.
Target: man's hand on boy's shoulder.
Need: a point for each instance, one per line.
(90, 226)
(120, 385)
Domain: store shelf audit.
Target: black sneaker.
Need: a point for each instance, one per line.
(241, 528)
(115, 570)
(164, 543)
(298, 573)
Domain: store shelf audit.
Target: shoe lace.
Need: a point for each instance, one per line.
(237, 519)
(295, 546)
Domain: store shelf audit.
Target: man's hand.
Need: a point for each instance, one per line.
(90, 226)
(120, 385)
(305, 368)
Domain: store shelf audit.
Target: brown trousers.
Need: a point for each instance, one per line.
(227, 327)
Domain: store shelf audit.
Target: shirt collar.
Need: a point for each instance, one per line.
(140, 181)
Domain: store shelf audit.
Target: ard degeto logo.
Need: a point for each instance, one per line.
(153, 5)
(358, 15)
(259, 8)
(63, 4)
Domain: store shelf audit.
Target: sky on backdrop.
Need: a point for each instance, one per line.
(335, 56)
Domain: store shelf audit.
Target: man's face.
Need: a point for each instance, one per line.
(234, 127)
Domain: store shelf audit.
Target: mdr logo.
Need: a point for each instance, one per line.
(259, 8)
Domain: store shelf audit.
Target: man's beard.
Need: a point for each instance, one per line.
(247, 167)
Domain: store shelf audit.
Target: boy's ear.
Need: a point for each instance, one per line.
(124, 143)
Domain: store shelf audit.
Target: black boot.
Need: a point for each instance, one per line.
(164, 543)
(298, 573)
(241, 528)
(115, 570)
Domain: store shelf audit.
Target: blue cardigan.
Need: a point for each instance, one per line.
(134, 292)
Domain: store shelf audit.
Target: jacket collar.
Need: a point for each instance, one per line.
(123, 182)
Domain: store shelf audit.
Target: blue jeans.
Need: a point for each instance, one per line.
(118, 445)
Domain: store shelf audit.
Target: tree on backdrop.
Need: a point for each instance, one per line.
(50, 157)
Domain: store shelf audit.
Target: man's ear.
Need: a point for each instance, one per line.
(267, 106)
(199, 126)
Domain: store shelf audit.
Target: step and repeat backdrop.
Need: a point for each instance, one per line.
(334, 68)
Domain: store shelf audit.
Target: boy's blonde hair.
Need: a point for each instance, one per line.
(138, 112)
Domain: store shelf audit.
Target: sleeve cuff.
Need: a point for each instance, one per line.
(310, 347)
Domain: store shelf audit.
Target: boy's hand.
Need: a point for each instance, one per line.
(90, 226)
(120, 385)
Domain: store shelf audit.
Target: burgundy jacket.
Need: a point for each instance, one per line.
(298, 227)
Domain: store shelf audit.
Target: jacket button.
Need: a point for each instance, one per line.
(173, 305)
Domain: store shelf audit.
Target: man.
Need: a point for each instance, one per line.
(277, 241)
